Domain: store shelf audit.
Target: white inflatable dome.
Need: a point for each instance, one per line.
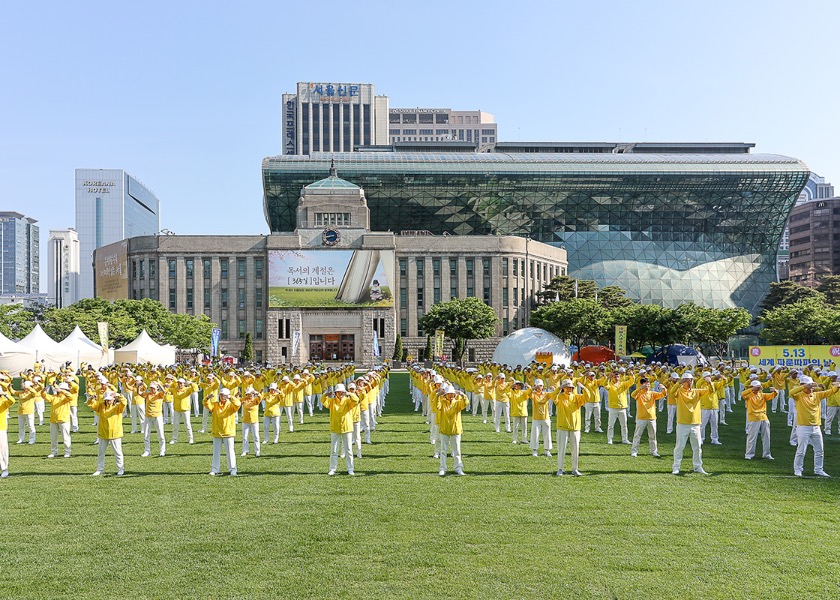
(521, 347)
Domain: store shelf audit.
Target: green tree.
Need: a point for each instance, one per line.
(429, 350)
(398, 348)
(562, 289)
(16, 321)
(189, 332)
(717, 325)
(830, 288)
(612, 297)
(577, 320)
(804, 322)
(462, 320)
(786, 292)
(248, 351)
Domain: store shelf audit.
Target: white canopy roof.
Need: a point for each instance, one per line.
(521, 347)
(144, 349)
(39, 341)
(77, 347)
(15, 358)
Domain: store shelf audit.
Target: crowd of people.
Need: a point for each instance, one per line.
(696, 403)
(154, 397)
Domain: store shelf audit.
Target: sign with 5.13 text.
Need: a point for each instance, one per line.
(794, 356)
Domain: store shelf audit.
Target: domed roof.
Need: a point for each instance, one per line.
(521, 347)
(332, 182)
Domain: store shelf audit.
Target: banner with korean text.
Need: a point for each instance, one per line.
(794, 356)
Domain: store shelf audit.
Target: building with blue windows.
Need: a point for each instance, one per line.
(669, 223)
(19, 255)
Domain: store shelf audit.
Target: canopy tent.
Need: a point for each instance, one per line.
(78, 348)
(521, 347)
(677, 354)
(15, 358)
(46, 349)
(145, 350)
(595, 354)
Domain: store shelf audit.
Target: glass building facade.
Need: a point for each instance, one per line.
(668, 229)
(19, 254)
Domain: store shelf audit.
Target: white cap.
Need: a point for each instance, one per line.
(247, 373)
(27, 384)
(753, 377)
(339, 387)
(250, 390)
(438, 379)
(502, 376)
(64, 386)
(538, 382)
(224, 392)
(687, 376)
(755, 383)
(273, 386)
(285, 378)
(622, 370)
(138, 378)
(448, 389)
(296, 376)
(675, 375)
(805, 380)
(306, 371)
(566, 383)
(351, 386)
(109, 395)
(706, 374)
(182, 380)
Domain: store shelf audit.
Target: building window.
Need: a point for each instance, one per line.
(207, 298)
(241, 297)
(241, 328)
(171, 298)
(403, 327)
(152, 269)
(206, 266)
(436, 279)
(505, 298)
(283, 329)
(504, 267)
(403, 297)
(224, 265)
(190, 264)
(419, 297)
(172, 269)
(403, 268)
(516, 296)
(505, 326)
(258, 293)
(515, 268)
(189, 299)
(259, 355)
(224, 328)
(142, 269)
(258, 268)
(240, 266)
(453, 278)
(258, 329)
(224, 297)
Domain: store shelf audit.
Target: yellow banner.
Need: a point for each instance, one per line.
(438, 349)
(621, 340)
(545, 358)
(794, 356)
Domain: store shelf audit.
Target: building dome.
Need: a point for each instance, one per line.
(521, 347)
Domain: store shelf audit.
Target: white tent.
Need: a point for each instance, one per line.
(521, 347)
(77, 347)
(14, 358)
(145, 350)
(45, 348)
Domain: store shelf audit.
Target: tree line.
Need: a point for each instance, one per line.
(795, 314)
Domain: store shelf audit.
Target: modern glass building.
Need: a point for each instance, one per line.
(19, 254)
(111, 205)
(668, 228)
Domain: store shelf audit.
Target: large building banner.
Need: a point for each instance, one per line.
(330, 278)
(110, 265)
(794, 356)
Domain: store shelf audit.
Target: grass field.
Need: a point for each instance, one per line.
(509, 529)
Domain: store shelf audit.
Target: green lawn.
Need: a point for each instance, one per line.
(509, 529)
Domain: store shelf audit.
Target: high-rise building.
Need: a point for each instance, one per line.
(333, 117)
(63, 267)
(111, 205)
(441, 125)
(19, 254)
(815, 240)
(815, 189)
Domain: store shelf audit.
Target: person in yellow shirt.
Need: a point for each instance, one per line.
(251, 421)
(808, 431)
(755, 401)
(541, 420)
(181, 395)
(645, 416)
(592, 410)
(209, 385)
(110, 429)
(340, 405)
(832, 405)
(568, 405)
(672, 385)
(134, 388)
(59, 418)
(502, 403)
(519, 396)
(687, 399)
(154, 417)
(449, 406)
(271, 413)
(6, 400)
(288, 401)
(223, 411)
(617, 387)
(26, 411)
(710, 409)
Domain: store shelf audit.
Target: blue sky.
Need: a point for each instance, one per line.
(186, 96)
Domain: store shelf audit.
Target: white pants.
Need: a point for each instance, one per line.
(366, 424)
(502, 408)
(672, 413)
(337, 440)
(116, 444)
(39, 410)
(592, 409)
(64, 429)
(641, 425)
(754, 429)
(542, 427)
(268, 423)
(708, 416)
(310, 403)
(792, 421)
(563, 438)
(167, 412)
(318, 401)
(138, 413)
(205, 414)
(251, 430)
(684, 434)
(227, 442)
(476, 402)
(520, 423)
(299, 407)
(290, 422)
(74, 418)
(357, 438)
(176, 422)
(451, 443)
(4, 450)
(25, 421)
(805, 435)
(194, 402)
(621, 415)
(147, 434)
(830, 413)
(779, 400)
